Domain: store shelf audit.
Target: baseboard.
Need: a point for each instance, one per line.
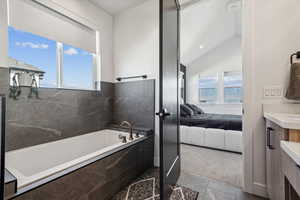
(212, 148)
(260, 189)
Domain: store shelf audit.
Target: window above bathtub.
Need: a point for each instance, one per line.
(63, 49)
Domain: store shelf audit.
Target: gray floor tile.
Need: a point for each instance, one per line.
(223, 187)
(210, 189)
(218, 195)
(245, 196)
(196, 183)
(216, 175)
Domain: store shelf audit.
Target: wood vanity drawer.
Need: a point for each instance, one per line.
(291, 171)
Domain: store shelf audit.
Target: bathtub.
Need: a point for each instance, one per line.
(34, 164)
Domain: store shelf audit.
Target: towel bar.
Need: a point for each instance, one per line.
(297, 54)
(131, 77)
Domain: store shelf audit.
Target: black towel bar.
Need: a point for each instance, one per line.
(297, 54)
(131, 77)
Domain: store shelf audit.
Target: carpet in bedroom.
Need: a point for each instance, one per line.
(219, 165)
(147, 187)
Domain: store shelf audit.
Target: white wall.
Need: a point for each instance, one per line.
(270, 34)
(225, 57)
(136, 47)
(136, 37)
(86, 13)
(3, 34)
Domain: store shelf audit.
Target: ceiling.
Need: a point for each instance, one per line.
(207, 24)
(115, 6)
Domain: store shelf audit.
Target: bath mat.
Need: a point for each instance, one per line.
(146, 187)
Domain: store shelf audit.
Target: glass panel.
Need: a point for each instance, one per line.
(208, 89)
(77, 68)
(233, 79)
(233, 87)
(233, 94)
(208, 82)
(208, 95)
(30, 49)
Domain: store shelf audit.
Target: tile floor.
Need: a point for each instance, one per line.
(219, 165)
(146, 187)
(208, 172)
(210, 189)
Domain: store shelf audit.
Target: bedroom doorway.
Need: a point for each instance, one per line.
(211, 87)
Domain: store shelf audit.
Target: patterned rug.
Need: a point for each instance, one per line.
(146, 187)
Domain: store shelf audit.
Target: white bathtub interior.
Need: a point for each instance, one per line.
(40, 161)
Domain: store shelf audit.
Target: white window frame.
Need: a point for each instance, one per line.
(97, 57)
(218, 95)
(230, 87)
(220, 89)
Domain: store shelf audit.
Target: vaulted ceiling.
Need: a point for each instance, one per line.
(115, 6)
(206, 24)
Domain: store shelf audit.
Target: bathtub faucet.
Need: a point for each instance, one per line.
(126, 124)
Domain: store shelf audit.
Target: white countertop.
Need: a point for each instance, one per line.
(284, 120)
(292, 149)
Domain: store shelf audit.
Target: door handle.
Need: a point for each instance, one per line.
(269, 145)
(163, 113)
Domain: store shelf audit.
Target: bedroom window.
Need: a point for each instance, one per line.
(233, 90)
(208, 89)
(222, 88)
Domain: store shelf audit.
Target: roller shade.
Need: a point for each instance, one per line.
(32, 17)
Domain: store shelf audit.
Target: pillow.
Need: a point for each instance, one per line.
(186, 111)
(195, 108)
(183, 113)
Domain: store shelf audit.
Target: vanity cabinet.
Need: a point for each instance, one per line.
(292, 177)
(275, 177)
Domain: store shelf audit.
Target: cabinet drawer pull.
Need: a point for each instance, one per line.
(269, 145)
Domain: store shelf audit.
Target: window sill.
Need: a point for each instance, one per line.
(220, 104)
(68, 89)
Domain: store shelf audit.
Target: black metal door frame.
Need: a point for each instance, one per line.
(162, 113)
(2, 143)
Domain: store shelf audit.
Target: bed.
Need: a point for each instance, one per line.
(218, 121)
(218, 131)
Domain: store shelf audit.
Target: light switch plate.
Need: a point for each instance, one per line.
(273, 91)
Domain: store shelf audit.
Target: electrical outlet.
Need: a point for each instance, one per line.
(273, 92)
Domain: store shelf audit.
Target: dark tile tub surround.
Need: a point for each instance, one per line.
(4, 80)
(56, 114)
(134, 101)
(10, 184)
(100, 180)
(61, 113)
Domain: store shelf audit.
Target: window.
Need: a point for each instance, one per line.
(224, 87)
(77, 67)
(34, 50)
(208, 89)
(233, 90)
(62, 49)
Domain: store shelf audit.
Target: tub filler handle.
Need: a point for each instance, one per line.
(123, 138)
(137, 134)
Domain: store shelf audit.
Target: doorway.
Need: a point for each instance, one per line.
(211, 81)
